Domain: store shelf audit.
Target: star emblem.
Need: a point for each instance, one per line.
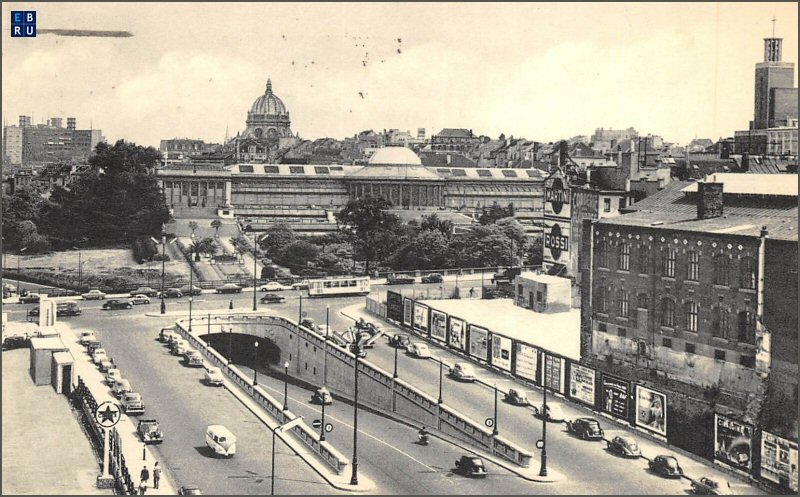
(108, 414)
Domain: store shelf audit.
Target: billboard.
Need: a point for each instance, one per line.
(525, 361)
(581, 383)
(421, 317)
(651, 410)
(616, 396)
(557, 198)
(478, 342)
(554, 373)
(779, 460)
(733, 442)
(438, 325)
(408, 311)
(556, 241)
(457, 338)
(394, 306)
(501, 352)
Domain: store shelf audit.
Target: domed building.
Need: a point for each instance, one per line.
(267, 129)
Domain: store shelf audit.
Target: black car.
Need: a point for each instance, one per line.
(432, 278)
(172, 293)
(229, 288)
(398, 340)
(189, 490)
(272, 298)
(145, 290)
(191, 290)
(16, 342)
(586, 428)
(400, 280)
(118, 304)
(31, 298)
(469, 465)
(666, 466)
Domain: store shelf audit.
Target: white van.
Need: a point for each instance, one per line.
(221, 440)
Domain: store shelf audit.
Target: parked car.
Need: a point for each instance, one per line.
(140, 299)
(63, 309)
(172, 293)
(400, 280)
(121, 387)
(149, 431)
(308, 323)
(87, 336)
(145, 290)
(93, 294)
(193, 359)
(93, 345)
(229, 288)
(272, 298)
(180, 347)
(709, 486)
(191, 290)
(462, 371)
(586, 428)
(99, 355)
(16, 342)
(300, 285)
(132, 403)
(469, 465)
(112, 375)
(666, 466)
(321, 396)
(517, 397)
(552, 411)
(107, 365)
(624, 446)
(31, 298)
(117, 304)
(214, 376)
(163, 335)
(274, 286)
(419, 349)
(432, 278)
(190, 490)
(400, 341)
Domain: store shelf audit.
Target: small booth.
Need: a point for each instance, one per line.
(42, 351)
(62, 372)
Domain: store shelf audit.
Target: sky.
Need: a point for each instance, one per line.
(542, 71)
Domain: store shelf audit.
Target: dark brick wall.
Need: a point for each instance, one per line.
(709, 202)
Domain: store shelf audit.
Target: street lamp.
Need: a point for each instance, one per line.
(230, 344)
(281, 428)
(255, 365)
(356, 350)
(494, 424)
(300, 311)
(441, 370)
(255, 268)
(394, 375)
(286, 386)
(191, 287)
(543, 467)
(163, 260)
(19, 256)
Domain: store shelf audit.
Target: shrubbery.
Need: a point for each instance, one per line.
(145, 249)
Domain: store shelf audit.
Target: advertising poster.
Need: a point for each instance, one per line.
(458, 334)
(526, 361)
(733, 442)
(501, 352)
(421, 317)
(651, 410)
(616, 396)
(478, 342)
(554, 373)
(438, 325)
(779, 460)
(408, 311)
(581, 383)
(394, 306)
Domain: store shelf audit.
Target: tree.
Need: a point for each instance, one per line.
(278, 236)
(483, 246)
(216, 224)
(515, 232)
(432, 222)
(299, 253)
(495, 212)
(24, 206)
(428, 250)
(193, 226)
(207, 246)
(372, 229)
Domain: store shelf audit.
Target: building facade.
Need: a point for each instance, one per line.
(454, 140)
(775, 94)
(12, 145)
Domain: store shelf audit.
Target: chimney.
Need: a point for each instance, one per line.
(709, 200)
(745, 162)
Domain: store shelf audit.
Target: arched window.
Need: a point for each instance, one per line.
(624, 256)
(693, 266)
(669, 262)
(622, 303)
(667, 312)
(691, 315)
(747, 273)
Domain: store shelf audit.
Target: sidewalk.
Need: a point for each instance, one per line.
(44, 449)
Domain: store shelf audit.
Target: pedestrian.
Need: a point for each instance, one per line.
(142, 488)
(145, 475)
(156, 475)
(230, 306)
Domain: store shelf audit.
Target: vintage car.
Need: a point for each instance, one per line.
(517, 397)
(625, 446)
(193, 358)
(149, 431)
(420, 350)
(400, 280)
(711, 486)
(172, 293)
(99, 355)
(121, 387)
(272, 298)
(399, 341)
(321, 396)
(140, 299)
(552, 411)
(470, 465)
(666, 466)
(214, 376)
(163, 335)
(432, 278)
(93, 294)
(221, 440)
(86, 337)
(229, 288)
(462, 371)
(145, 290)
(112, 376)
(190, 490)
(180, 347)
(132, 403)
(274, 286)
(585, 428)
(117, 304)
(16, 342)
(191, 290)
(107, 365)
(31, 298)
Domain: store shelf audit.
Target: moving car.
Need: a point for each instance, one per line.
(666, 466)
(229, 288)
(214, 376)
(31, 298)
(300, 285)
(191, 290)
(63, 309)
(709, 486)
(517, 397)
(117, 304)
(149, 431)
(272, 298)
(552, 411)
(140, 299)
(322, 396)
(194, 359)
(145, 290)
(16, 342)
(221, 440)
(469, 465)
(400, 280)
(419, 349)
(462, 371)
(132, 403)
(172, 293)
(121, 387)
(400, 341)
(432, 278)
(86, 337)
(93, 294)
(624, 446)
(190, 490)
(585, 428)
(274, 286)
(99, 355)
(112, 375)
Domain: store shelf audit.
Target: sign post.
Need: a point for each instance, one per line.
(107, 416)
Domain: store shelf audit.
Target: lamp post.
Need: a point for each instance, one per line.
(280, 428)
(300, 311)
(394, 375)
(494, 425)
(325, 350)
(286, 386)
(543, 467)
(255, 268)
(441, 370)
(191, 297)
(230, 344)
(163, 256)
(355, 349)
(19, 256)
(255, 365)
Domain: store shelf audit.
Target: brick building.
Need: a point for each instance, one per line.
(454, 140)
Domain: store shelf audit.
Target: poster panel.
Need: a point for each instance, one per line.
(457, 338)
(438, 325)
(581, 383)
(408, 311)
(616, 396)
(501, 352)
(733, 442)
(779, 460)
(394, 306)
(554, 373)
(421, 317)
(651, 410)
(525, 361)
(479, 342)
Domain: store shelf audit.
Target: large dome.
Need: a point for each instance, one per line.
(268, 104)
(395, 156)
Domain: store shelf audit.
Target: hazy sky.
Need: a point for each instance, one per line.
(542, 71)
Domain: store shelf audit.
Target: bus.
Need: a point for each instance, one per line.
(339, 285)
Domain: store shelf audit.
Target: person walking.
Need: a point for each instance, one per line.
(144, 476)
(156, 474)
(142, 488)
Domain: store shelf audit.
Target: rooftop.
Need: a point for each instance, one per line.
(395, 156)
(544, 278)
(743, 184)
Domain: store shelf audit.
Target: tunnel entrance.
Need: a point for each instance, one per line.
(240, 349)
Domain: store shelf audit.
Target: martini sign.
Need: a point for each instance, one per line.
(557, 197)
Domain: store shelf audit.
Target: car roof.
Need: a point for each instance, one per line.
(625, 438)
(587, 420)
